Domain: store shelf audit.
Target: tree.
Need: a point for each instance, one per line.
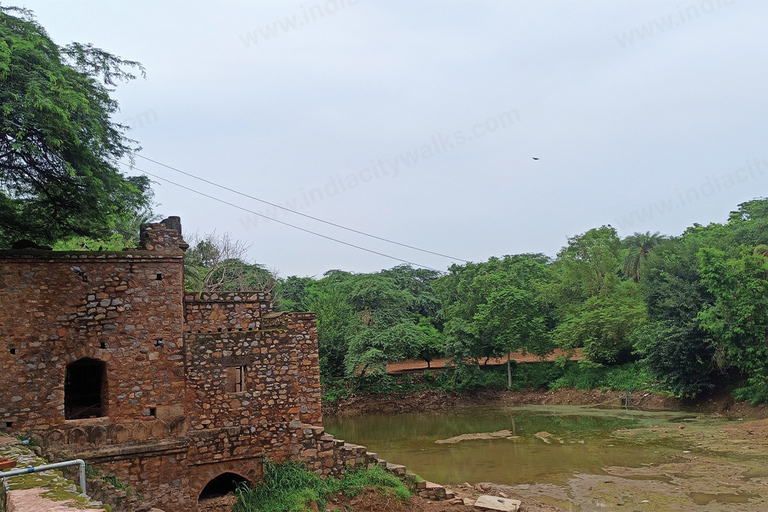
(749, 223)
(294, 292)
(81, 243)
(738, 320)
(59, 149)
(674, 347)
(514, 314)
(417, 282)
(595, 308)
(368, 320)
(495, 307)
(428, 343)
(386, 329)
(638, 247)
(336, 320)
(217, 263)
(589, 266)
(603, 325)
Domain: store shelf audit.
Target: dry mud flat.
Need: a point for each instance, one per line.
(710, 469)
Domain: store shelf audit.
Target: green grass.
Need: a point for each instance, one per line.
(290, 487)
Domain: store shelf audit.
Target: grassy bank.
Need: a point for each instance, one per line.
(290, 487)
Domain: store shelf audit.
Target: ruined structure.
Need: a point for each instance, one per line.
(103, 356)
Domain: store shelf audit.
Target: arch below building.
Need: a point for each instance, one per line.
(222, 485)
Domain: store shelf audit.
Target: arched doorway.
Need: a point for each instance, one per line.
(221, 486)
(85, 389)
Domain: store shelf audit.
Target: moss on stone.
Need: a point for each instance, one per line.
(52, 482)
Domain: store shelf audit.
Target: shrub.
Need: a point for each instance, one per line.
(585, 375)
(290, 487)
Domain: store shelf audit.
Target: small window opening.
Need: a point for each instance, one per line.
(8, 424)
(235, 382)
(103, 344)
(153, 411)
(12, 350)
(159, 277)
(221, 486)
(85, 389)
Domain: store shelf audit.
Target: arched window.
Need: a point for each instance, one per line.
(85, 389)
(222, 485)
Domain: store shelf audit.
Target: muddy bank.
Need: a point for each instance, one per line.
(431, 400)
(373, 501)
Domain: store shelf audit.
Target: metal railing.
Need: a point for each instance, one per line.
(57, 465)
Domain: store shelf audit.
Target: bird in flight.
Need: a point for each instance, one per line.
(535, 158)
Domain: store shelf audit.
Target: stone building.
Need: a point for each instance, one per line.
(103, 356)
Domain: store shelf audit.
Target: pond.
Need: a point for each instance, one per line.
(544, 444)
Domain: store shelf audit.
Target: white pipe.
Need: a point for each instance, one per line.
(35, 469)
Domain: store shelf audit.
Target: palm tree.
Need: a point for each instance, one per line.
(762, 250)
(638, 247)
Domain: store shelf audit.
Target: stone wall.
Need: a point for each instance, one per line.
(101, 432)
(122, 309)
(155, 469)
(164, 236)
(224, 311)
(276, 369)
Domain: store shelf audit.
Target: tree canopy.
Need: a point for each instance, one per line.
(495, 307)
(686, 314)
(218, 263)
(59, 148)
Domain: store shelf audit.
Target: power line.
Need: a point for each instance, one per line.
(299, 213)
(279, 221)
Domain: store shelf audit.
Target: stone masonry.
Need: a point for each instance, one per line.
(105, 357)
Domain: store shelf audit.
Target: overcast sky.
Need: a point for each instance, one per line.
(419, 121)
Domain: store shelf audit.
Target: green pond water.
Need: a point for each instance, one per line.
(580, 441)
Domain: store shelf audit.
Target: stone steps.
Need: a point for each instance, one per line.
(339, 455)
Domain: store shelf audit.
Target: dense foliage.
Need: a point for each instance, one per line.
(59, 148)
(685, 314)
